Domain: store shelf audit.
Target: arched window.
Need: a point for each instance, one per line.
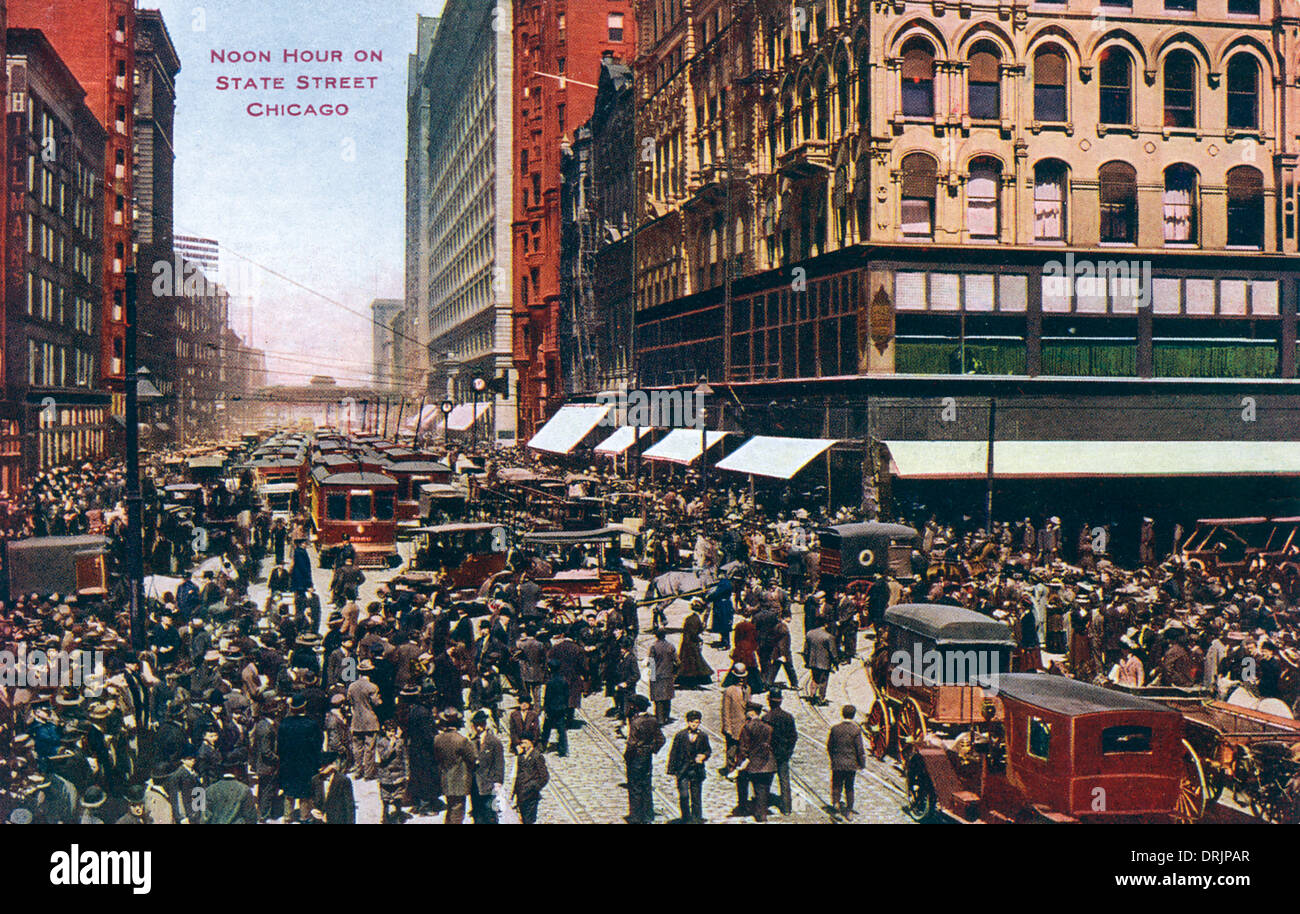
(920, 179)
(787, 123)
(844, 94)
(1180, 203)
(1243, 92)
(1115, 86)
(1118, 202)
(918, 79)
(1049, 85)
(864, 86)
(1180, 89)
(982, 197)
(823, 107)
(1051, 195)
(805, 112)
(773, 143)
(984, 94)
(1245, 207)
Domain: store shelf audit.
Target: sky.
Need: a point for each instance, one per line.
(316, 199)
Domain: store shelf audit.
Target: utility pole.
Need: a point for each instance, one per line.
(134, 503)
(988, 495)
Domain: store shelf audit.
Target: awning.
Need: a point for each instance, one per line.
(682, 445)
(568, 427)
(779, 458)
(621, 440)
(427, 418)
(1083, 459)
(465, 415)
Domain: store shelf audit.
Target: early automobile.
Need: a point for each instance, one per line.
(1060, 751)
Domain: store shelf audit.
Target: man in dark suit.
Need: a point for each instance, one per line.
(300, 743)
(784, 736)
(820, 657)
(490, 772)
(644, 739)
(757, 764)
(532, 662)
(686, 760)
(331, 790)
(524, 722)
(530, 777)
(557, 710)
(572, 663)
(848, 756)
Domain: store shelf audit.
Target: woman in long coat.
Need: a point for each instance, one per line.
(692, 669)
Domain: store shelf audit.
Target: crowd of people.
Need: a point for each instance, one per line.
(242, 710)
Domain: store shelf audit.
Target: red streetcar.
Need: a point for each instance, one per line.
(360, 505)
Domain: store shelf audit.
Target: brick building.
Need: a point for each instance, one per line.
(52, 252)
(856, 210)
(96, 39)
(558, 50)
(154, 167)
(596, 201)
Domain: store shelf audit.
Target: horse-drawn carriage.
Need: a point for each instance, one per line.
(1240, 745)
(852, 552)
(1055, 750)
(928, 670)
(1238, 547)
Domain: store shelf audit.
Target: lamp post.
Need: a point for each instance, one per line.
(703, 390)
(479, 384)
(446, 406)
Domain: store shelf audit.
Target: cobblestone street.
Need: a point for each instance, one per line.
(587, 785)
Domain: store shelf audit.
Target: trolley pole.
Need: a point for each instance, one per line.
(134, 502)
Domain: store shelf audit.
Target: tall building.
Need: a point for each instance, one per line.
(596, 202)
(154, 167)
(10, 412)
(53, 252)
(204, 252)
(383, 346)
(558, 50)
(416, 374)
(96, 40)
(464, 89)
(862, 210)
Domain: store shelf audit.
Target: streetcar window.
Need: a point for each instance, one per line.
(383, 507)
(336, 507)
(361, 507)
(1040, 737)
(1125, 739)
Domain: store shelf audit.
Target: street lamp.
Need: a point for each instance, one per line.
(479, 384)
(446, 406)
(703, 390)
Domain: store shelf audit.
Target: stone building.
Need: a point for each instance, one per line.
(853, 204)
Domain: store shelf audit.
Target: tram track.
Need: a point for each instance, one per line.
(891, 786)
(612, 751)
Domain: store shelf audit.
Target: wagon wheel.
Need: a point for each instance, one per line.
(878, 730)
(1245, 778)
(1215, 774)
(567, 608)
(921, 799)
(911, 725)
(1192, 792)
